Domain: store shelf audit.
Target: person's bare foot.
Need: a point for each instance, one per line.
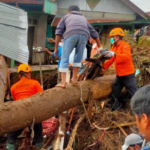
(74, 82)
(61, 85)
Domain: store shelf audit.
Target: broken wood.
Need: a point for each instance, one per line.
(140, 52)
(125, 134)
(119, 125)
(42, 106)
(74, 131)
(59, 140)
(3, 78)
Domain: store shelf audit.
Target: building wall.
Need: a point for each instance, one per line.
(113, 6)
(110, 6)
(99, 15)
(105, 40)
(40, 30)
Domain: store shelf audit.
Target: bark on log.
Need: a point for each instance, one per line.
(20, 114)
(3, 78)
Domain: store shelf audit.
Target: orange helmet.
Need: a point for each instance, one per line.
(24, 68)
(116, 31)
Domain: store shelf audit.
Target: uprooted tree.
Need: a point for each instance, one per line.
(20, 114)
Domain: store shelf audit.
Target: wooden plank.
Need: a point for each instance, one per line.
(3, 77)
(36, 68)
(24, 1)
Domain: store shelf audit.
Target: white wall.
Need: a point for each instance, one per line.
(40, 36)
(66, 3)
(113, 6)
(98, 15)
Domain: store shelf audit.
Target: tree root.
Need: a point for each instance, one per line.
(74, 131)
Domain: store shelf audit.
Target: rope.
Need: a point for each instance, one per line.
(2, 78)
(84, 106)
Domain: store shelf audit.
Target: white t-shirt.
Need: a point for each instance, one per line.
(71, 57)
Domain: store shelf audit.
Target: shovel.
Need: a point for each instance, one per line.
(39, 51)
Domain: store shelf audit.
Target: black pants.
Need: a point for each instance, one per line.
(129, 82)
(38, 138)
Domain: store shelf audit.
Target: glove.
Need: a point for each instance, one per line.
(100, 50)
(110, 54)
(102, 72)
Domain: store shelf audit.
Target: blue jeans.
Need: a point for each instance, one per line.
(77, 41)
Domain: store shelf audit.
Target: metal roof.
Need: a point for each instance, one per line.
(127, 22)
(148, 13)
(56, 21)
(13, 33)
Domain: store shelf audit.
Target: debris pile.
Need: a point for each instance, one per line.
(110, 132)
(141, 57)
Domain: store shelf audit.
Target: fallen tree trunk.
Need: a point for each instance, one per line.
(20, 114)
(3, 77)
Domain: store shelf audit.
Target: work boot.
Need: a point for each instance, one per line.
(39, 145)
(123, 101)
(116, 105)
(10, 146)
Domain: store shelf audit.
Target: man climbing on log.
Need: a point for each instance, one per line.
(24, 88)
(76, 32)
(120, 53)
(71, 57)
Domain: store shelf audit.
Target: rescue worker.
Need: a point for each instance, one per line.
(24, 88)
(120, 53)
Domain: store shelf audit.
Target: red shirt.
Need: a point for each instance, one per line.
(25, 88)
(123, 59)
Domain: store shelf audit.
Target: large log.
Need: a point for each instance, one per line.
(20, 114)
(3, 78)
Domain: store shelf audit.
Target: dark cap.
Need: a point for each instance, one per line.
(73, 8)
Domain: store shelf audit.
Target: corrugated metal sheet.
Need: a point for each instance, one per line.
(13, 33)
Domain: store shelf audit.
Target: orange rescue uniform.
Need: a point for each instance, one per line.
(123, 59)
(25, 88)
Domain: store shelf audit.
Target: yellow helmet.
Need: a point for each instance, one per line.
(116, 31)
(24, 68)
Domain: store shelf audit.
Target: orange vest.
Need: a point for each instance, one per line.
(123, 59)
(25, 88)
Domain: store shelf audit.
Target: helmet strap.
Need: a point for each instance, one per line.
(117, 42)
(22, 74)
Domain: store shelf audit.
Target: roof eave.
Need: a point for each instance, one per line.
(136, 9)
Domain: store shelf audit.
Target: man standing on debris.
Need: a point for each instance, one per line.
(120, 53)
(24, 88)
(76, 32)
